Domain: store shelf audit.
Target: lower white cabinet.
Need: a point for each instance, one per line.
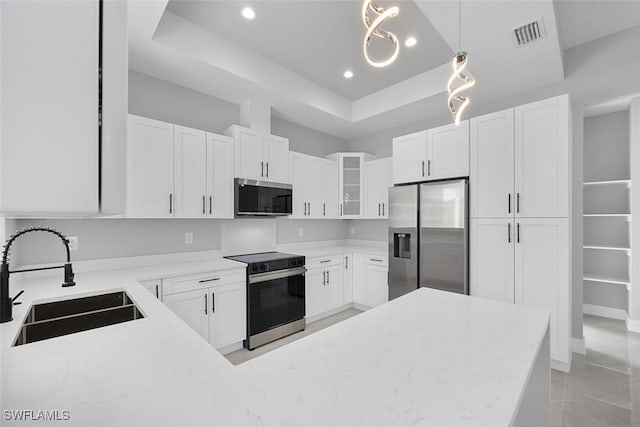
(376, 288)
(217, 312)
(525, 261)
(154, 287)
(324, 288)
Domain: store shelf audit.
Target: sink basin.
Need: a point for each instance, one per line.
(53, 319)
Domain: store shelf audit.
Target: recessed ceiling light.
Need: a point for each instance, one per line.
(248, 13)
(348, 74)
(410, 41)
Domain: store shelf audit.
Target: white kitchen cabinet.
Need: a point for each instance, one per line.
(542, 158)
(324, 285)
(219, 176)
(314, 186)
(377, 180)
(193, 308)
(542, 276)
(410, 158)
(213, 304)
(227, 324)
(154, 287)
(448, 151)
(376, 289)
(348, 277)
(350, 183)
(358, 278)
(52, 163)
(190, 168)
(258, 156)
(491, 171)
(150, 169)
(492, 258)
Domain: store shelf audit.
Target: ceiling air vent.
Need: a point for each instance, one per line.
(529, 32)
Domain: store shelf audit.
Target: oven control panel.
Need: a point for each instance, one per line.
(282, 264)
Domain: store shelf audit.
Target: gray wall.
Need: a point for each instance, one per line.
(305, 140)
(368, 229)
(312, 230)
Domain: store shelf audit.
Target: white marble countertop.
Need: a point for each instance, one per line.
(429, 358)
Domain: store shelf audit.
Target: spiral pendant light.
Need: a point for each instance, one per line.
(373, 29)
(459, 81)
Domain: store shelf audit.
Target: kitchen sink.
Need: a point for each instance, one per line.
(57, 318)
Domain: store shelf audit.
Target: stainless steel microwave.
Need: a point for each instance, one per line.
(262, 199)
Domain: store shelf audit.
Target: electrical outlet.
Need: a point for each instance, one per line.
(300, 232)
(188, 238)
(353, 230)
(73, 243)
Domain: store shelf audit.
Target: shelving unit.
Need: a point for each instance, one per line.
(607, 212)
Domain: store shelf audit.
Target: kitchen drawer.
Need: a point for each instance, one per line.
(326, 261)
(376, 260)
(191, 282)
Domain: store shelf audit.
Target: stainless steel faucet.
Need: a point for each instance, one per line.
(6, 302)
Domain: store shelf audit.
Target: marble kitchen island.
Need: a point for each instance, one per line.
(428, 358)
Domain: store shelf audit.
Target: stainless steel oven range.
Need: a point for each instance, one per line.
(275, 296)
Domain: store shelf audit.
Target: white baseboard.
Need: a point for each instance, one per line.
(561, 366)
(578, 345)
(599, 310)
(633, 325)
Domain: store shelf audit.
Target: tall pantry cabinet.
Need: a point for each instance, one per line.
(519, 194)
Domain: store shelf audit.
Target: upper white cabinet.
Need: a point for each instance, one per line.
(542, 158)
(410, 158)
(491, 184)
(448, 151)
(350, 183)
(520, 161)
(150, 169)
(174, 171)
(49, 108)
(315, 186)
(433, 154)
(259, 156)
(377, 180)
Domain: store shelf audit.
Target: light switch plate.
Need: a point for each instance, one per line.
(188, 238)
(300, 232)
(353, 230)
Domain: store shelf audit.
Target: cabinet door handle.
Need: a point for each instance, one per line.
(324, 278)
(261, 168)
(509, 203)
(518, 233)
(305, 208)
(170, 203)
(206, 302)
(382, 208)
(309, 204)
(378, 209)
(340, 209)
(423, 168)
(213, 302)
(375, 259)
(517, 202)
(204, 205)
(210, 205)
(208, 280)
(327, 277)
(325, 261)
(346, 263)
(508, 232)
(157, 292)
(428, 167)
(324, 209)
(267, 169)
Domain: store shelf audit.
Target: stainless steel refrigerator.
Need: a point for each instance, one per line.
(429, 237)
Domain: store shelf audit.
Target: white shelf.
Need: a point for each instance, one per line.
(608, 215)
(626, 182)
(605, 279)
(608, 248)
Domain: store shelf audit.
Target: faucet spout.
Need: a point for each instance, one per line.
(6, 302)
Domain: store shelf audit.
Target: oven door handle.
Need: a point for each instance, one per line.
(272, 275)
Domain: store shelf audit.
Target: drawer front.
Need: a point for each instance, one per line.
(326, 261)
(175, 285)
(379, 260)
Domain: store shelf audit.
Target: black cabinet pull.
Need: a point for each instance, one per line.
(378, 209)
(204, 205)
(157, 293)
(423, 168)
(325, 261)
(210, 205)
(170, 203)
(518, 233)
(213, 302)
(324, 209)
(509, 203)
(517, 202)
(261, 168)
(327, 277)
(309, 205)
(428, 167)
(206, 302)
(346, 263)
(324, 278)
(382, 208)
(267, 169)
(340, 209)
(508, 232)
(208, 280)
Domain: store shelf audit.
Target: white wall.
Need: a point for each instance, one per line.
(634, 293)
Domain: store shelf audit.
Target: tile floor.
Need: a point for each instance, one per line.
(243, 355)
(603, 388)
